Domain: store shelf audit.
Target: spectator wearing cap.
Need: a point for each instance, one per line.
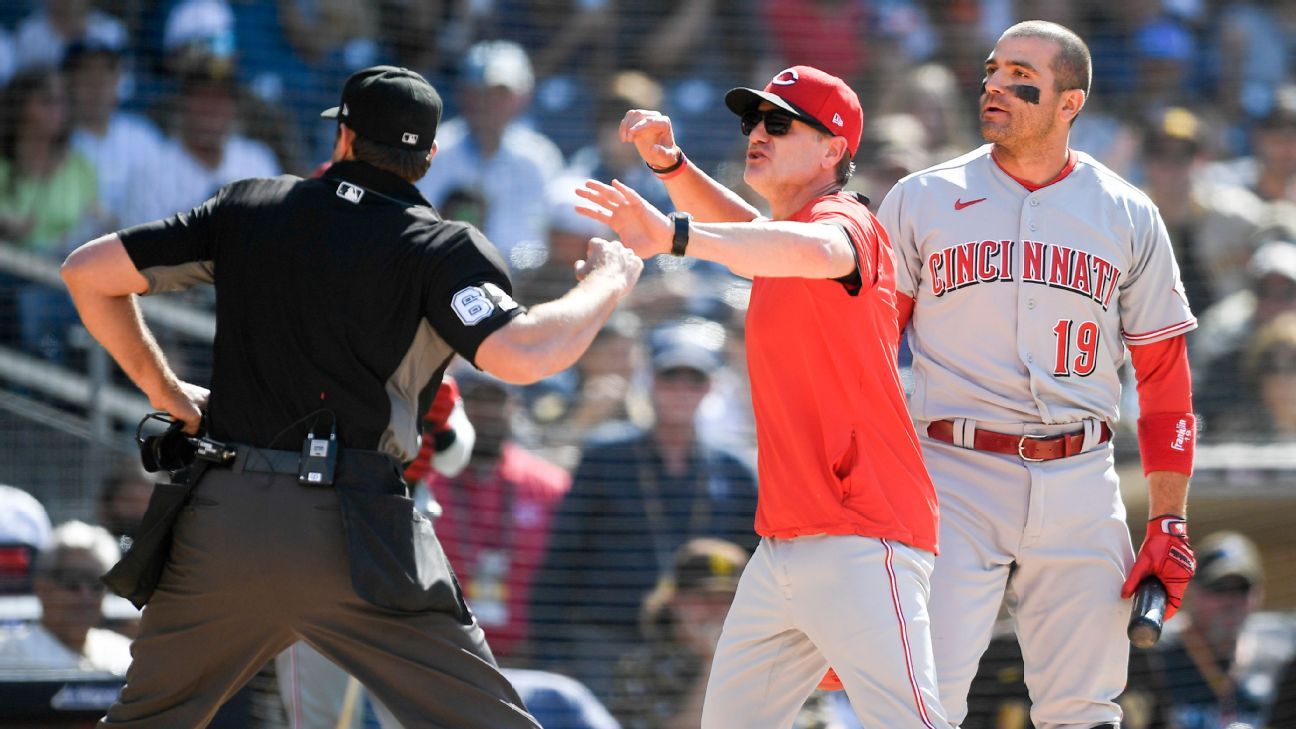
(1257, 48)
(1270, 170)
(1269, 367)
(1212, 223)
(661, 683)
(607, 157)
(42, 37)
(121, 145)
(24, 531)
(1227, 401)
(636, 496)
(205, 149)
(489, 149)
(67, 584)
(1196, 677)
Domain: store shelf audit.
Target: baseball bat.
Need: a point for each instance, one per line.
(1148, 613)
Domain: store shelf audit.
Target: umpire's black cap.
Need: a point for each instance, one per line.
(391, 105)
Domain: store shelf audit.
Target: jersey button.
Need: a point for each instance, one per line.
(1034, 203)
(1030, 303)
(1030, 358)
(1033, 226)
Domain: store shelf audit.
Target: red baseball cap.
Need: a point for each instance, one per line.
(811, 94)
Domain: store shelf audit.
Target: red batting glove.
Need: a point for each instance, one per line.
(443, 404)
(830, 682)
(1166, 555)
(436, 420)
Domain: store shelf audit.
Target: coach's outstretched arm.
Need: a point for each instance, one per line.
(550, 337)
(103, 282)
(690, 188)
(774, 248)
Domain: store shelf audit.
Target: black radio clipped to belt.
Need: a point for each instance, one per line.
(318, 459)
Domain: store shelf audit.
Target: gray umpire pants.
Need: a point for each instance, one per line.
(258, 562)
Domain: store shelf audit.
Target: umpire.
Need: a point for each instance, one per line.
(339, 302)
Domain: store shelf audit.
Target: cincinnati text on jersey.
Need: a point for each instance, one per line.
(974, 262)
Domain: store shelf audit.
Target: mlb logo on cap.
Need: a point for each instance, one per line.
(808, 93)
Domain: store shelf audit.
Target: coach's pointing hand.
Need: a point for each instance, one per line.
(641, 226)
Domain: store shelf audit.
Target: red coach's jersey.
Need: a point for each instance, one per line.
(837, 451)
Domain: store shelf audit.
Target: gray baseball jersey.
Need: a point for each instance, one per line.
(1024, 300)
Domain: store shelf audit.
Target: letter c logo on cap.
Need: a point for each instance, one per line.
(786, 77)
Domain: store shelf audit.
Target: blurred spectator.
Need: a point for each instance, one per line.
(1165, 54)
(24, 531)
(931, 93)
(869, 43)
(205, 151)
(121, 145)
(1212, 225)
(608, 157)
(489, 150)
(496, 517)
(1199, 677)
(1224, 400)
(71, 596)
(1270, 171)
(1269, 366)
(123, 498)
(48, 195)
(572, 45)
(1257, 51)
(602, 388)
(697, 50)
(551, 272)
(661, 683)
(635, 498)
(42, 36)
(48, 191)
(893, 146)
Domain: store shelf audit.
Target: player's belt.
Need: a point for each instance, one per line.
(1032, 448)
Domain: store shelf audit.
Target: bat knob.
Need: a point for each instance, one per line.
(1148, 613)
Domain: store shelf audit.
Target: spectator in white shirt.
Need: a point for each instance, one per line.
(205, 152)
(119, 144)
(487, 149)
(71, 596)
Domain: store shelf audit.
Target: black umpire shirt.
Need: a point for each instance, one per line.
(345, 293)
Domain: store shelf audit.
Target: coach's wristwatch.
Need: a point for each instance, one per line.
(680, 240)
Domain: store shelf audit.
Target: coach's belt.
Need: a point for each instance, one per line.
(1033, 448)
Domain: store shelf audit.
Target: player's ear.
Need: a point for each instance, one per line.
(1073, 100)
(432, 152)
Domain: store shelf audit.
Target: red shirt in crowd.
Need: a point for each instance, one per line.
(495, 529)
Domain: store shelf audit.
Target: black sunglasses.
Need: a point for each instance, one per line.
(777, 122)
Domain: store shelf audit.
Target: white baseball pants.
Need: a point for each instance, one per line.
(855, 603)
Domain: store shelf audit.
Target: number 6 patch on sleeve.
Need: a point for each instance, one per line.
(474, 304)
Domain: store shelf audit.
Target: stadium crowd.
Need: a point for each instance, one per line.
(625, 484)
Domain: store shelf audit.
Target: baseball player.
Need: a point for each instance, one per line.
(1031, 271)
(846, 512)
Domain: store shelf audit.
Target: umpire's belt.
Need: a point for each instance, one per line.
(1033, 448)
(352, 462)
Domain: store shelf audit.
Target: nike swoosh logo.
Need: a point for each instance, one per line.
(959, 204)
